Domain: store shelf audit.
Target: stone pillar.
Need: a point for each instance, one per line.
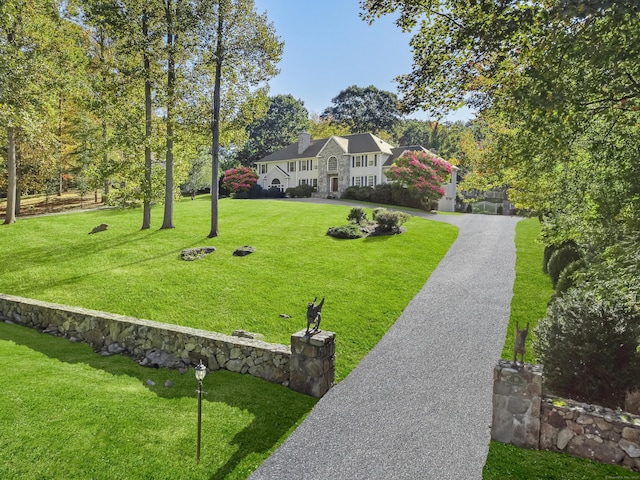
(516, 404)
(312, 367)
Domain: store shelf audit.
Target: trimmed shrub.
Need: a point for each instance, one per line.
(403, 197)
(301, 191)
(588, 345)
(275, 192)
(560, 259)
(350, 193)
(357, 215)
(350, 230)
(567, 277)
(548, 251)
(390, 220)
(382, 193)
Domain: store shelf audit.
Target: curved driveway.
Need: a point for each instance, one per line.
(419, 405)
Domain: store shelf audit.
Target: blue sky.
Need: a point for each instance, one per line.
(329, 48)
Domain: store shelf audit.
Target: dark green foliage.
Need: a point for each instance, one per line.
(364, 109)
(358, 193)
(389, 220)
(403, 197)
(282, 124)
(548, 251)
(560, 258)
(357, 215)
(350, 230)
(275, 192)
(567, 277)
(301, 191)
(382, 193)
(587, 344)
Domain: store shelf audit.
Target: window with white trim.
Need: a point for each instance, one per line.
(276, 183)
(372, 180)
(305, 165)
(263, 168)
(291, 167)
(332, 164)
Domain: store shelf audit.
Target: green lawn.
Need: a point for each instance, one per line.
(366, 282)
(68, 413)
(531, 293)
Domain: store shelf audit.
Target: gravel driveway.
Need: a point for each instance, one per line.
(418, 406)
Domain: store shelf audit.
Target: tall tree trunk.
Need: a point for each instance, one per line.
(167, 221)
(146, 215)
(60, 172)
(105, 152)
(105, 160)
(10, 216)
(215, 125)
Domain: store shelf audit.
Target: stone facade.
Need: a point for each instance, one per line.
(156, 344)
(332, 149)
(524, 416)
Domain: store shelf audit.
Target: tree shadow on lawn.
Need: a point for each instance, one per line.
(33, 285)
(275, 409)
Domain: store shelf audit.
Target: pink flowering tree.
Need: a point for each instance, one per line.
(239, 179)
(422, 173)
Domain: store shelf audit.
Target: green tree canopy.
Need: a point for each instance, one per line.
(285, 118)
(365, 109)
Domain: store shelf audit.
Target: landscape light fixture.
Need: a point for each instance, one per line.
(201, 371)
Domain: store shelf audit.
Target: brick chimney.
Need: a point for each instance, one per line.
(303, 142)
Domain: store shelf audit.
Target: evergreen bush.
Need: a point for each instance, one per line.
(390, 220)
(560, 259)
(588, 344)
(567, 277)
(357, 215)
(350, 230)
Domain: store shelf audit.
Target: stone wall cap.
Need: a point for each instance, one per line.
(318, 339)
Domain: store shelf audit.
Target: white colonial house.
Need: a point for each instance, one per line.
(331, 165)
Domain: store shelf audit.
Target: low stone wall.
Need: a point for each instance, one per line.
(524, 416)
(157, 344)
(590, 431)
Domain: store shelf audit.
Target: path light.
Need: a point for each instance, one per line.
(201, 371)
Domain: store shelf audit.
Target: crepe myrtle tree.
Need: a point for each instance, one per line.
(239, 179)
(422, 173)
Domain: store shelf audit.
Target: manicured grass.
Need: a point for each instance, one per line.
(68, 413)
(531, 293)
(509, 462)
(366, 282)
(532, 289)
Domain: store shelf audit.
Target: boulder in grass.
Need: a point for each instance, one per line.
(100, 228)
(190, 254)
(243, 251)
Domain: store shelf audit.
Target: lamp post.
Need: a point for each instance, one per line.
(201, 371)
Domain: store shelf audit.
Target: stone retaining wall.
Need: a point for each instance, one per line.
(524, 416)
(590, 431)
(156, 344)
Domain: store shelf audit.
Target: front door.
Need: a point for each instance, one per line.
(334, 184)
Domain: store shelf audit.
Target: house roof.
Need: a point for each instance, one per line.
(352, 144)
(396, 152)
